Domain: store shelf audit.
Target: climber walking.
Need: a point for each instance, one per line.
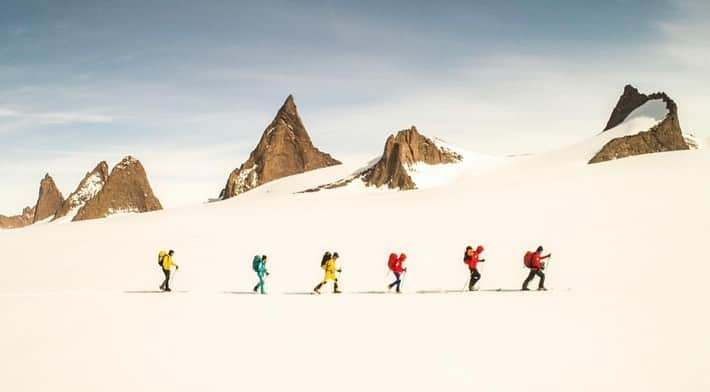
(533, 261)
(395, 265)
(259, 266)
(165, 260)
(471, 258)
(329, 265)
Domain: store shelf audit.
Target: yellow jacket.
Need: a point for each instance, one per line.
(330, 269)
(168, 262)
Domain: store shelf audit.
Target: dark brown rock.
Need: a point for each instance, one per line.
(126, 190)
(630, 100)
(16, 221)
(402, 151)
(285, 149)
(88, 188)
(50, 200)
(664, 136)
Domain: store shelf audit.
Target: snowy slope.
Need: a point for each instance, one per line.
(642, 119)
(625, 312)
(432, 176)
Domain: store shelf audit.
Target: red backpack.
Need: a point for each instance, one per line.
(391, 262)
(528, 259)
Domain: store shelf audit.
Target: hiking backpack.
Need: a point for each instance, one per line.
(325, 259)
(161, 257)
(255, 263)
(392, 261)
(528, 259)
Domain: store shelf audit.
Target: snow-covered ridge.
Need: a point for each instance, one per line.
(642, 119)
(432, 176)
(694, 142)
(242, 181)
(92, 186)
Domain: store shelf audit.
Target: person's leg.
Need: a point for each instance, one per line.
(542, 279)
(335, 286)
(165, 279)
(530, 277)
(399, 280)
(475, 276)
(261, 283)
(166, 283)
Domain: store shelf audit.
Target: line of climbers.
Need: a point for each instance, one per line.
(395, 264)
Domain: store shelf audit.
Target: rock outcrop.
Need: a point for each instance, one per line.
(126, 190)
(50, 200)
(285, 149)
(402, 151)
(88, 188)
(16, 221)
(667, 135)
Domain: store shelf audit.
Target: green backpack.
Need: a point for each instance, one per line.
(255, 263)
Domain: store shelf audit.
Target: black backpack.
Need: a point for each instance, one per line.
(325, 259)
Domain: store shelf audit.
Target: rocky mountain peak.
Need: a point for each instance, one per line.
(289, 106)
(402, 151)
(285, 149)
(88, 188)
(126, 190)
(49, 201)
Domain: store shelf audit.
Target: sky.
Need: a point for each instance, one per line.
(188, 87)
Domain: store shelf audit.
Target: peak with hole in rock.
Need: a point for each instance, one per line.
(126, 190)
(664, 135)
(49, 201)
(285, 149)
(88, 188)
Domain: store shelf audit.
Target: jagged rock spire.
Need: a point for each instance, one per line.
(285, 149)
(49, 201)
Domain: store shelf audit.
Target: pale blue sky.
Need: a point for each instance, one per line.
(188, 87)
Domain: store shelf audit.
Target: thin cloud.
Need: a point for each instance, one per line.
(8, 113)
(13, 120)
(686, 35)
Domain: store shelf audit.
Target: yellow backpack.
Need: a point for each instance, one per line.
(161, 257)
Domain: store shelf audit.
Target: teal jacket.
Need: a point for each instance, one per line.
(261, 269)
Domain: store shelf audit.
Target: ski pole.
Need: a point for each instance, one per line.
(172, 278)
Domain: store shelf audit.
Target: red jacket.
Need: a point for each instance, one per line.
(537, 260)
(397, 264)
(472, 258)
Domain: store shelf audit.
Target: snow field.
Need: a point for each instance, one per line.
(627, 309)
